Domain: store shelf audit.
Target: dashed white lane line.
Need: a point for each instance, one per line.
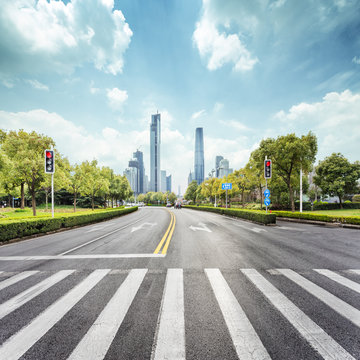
(100, 237)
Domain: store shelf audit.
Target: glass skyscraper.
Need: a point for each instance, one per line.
(138, 155)
(199, 156)
(155, 132)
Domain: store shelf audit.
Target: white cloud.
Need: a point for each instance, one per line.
(236, 125)
(218, 107)
(356, 60)
(42, 36)
(335, 120)
(220, 48)
(198, 114)
(93, 90)
(116, 98)
(110, 147)
(37, 85)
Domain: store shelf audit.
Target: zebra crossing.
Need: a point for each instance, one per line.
(167, 331)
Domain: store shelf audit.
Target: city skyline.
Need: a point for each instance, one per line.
(242, 71)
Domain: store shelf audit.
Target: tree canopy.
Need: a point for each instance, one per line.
(336, 176)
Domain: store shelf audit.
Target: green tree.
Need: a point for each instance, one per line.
(26, 151)
(94, 181)
(243, 180)
(190, 193)
(75, 180)
(288, 153)
(336, 176)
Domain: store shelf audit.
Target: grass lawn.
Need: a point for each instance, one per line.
(343, 212)
(10, 213)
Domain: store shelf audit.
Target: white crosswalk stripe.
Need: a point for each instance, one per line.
(98, 339)
(170, 331)
(329, 299)
(16, 278)
(19, 300)
(19, 343)
(170, 342)
(339, 279)
(326, 346)
(247, 343)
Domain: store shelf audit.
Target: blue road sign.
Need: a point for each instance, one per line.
(267, 201)
(267, 193)
(226, 186)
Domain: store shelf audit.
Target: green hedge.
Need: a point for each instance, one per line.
(355, 220)
(17, 228)
(253, 215)
(335, 206)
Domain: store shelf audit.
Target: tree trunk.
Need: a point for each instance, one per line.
(74, 201)
(105, 204)
(33, 203)
(112, 202)
(22, 195)
(92, 203)
(10, 200)
(341, 206)
(292, 201)
(242, 199)
(261, 197)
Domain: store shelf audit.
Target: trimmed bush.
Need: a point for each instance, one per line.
(252, 215)
(356, 198)
(17, 228)
(355, 220)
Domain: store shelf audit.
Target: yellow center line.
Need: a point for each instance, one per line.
(166, 234)
(164, 250)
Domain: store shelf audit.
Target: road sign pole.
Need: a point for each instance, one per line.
(266, 189)
(226, 198)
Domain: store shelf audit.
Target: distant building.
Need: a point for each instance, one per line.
(155, 140)
(190, 177)
(224, 169)
(199, 169)
(146, 184)
(163, 181)
(168, 183)
(138, 155)
(131, 174)
(217, 165)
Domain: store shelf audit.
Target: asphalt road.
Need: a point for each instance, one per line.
(176, 284)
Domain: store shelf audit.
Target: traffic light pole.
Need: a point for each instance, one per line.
(266, 189)
(52, 195)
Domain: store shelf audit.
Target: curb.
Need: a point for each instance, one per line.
(321, 223)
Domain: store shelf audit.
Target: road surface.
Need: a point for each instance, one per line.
(182, 284)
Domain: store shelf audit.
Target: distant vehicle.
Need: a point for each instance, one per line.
(168, 205)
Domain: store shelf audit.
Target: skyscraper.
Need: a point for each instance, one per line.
(155, 133)
(199, 156)
(135, 178)
(163, 181)
(138, 155)
(168, 183)
(217, 164)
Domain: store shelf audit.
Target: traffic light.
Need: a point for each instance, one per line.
(49, 161)
(267, 169)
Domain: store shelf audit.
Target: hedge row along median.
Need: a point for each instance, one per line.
(17, 228)
(354, 220)
(253, 215)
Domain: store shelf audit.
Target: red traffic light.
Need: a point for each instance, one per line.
(268, 163)
(49, 154)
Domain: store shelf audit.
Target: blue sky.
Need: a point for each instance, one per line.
(91, 73)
